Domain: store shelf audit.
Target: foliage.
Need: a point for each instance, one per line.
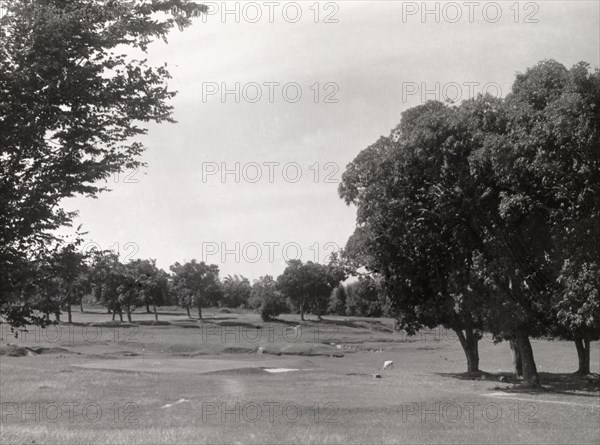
(487, 213)
(267, 298)
(236, 291)
(197, 284)
(365, 298)
(308, 286)
(71, 103)
(337, 301)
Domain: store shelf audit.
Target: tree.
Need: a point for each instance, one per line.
(337, 300)
(408, 189)
(153, 284)
(579, 308)
(308, 286)
(267, 298)
(70, 107)
(106, 277)
(365, 297)
(197, 284)
(236, 291)
(70, 269)
(486, 214)
(43, 292)
(546, 169)
(129, 290)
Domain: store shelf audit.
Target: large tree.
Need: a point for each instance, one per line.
(197, 284)
(408, 189)
(547, 165)
(73, 98)
(106, 277)
(70, 268)
(152, 284)
(308, 286)
(487, 212)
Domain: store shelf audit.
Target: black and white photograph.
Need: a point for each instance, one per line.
(299, 222)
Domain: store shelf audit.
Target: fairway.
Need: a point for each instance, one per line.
(105, 383)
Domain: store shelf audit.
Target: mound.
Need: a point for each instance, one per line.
(303, 349)
(14, 351)
(113, 324)
(238, 323)
(185, 324)
(22, 351)
(153, 323)
(40, 350)
(239, 350)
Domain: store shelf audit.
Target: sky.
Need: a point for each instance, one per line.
(276, 98)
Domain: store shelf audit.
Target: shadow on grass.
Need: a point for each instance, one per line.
(557, 383)
(286, 322)
(370, 324)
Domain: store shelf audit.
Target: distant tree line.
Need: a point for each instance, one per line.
(66, 277)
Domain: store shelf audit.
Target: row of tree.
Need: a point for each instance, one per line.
(485, 216)
(66, 276)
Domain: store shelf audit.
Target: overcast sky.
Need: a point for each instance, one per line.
(379, 59)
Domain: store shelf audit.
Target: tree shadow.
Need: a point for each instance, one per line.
(286, 322)
(557, 383)
(362, 323)
(172, 314)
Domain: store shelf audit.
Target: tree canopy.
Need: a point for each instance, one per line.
(73, 98)
(485, 214)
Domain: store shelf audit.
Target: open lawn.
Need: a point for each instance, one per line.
(235, 379)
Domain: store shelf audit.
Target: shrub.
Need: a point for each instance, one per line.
(273, 304)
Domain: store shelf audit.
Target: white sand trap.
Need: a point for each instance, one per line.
(169, 405)
(276, 370)
(188, 365)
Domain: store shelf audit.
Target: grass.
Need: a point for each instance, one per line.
(210, 376)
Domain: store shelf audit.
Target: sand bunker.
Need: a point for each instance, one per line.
(169, 405)
(277, 370)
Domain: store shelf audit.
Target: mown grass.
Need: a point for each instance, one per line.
(339, 400)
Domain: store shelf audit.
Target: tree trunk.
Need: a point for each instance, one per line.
(113, 315)
(188, 311)
(108, 310)
(148, 308)
(121, 314)
(302, 314)
(583, 353)
(199, 312)
(516, 356)
(155, 313)
(469, 343)
(128, 314)
(530, 374)
(81, 305)
(57, 315)
(69, 315)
